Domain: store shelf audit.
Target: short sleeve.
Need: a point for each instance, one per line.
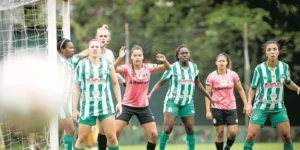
(167, 75)
(78, 78)
(152, 67)
(235, 77)
(75, 60)
(287, 75)
(209, 80)
(255, 78)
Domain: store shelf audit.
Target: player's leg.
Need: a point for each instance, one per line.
(85, 125)
(171, 111)
(231, 120)
(146, 119)
(108, 123)
(69, 128)
(102, 141)
(281, 122)
(123, 119)
(186, 114)
(257, 120)
(219, 122)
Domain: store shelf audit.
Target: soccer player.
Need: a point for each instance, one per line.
(183, 77)
(267, 85)
(220, 84)
(92, 77)
(104, 38)
(67, 63)
(135, 101)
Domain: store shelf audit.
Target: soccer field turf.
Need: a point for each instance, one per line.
(237, 146)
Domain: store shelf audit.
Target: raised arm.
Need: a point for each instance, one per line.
(116, 88)
(242, 93)
(156, 87)
(165, 66)
(122, 53)
(84, 53)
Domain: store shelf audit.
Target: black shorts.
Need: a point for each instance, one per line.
(143, 114)
(222, 117)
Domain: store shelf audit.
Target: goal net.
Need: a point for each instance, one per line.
(24, 32)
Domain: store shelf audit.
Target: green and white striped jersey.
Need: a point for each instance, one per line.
(269, 85)
(96, 98)
(67, 68)
(182, 83)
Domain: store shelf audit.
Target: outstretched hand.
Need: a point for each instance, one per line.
(160, 57)
(122, 52)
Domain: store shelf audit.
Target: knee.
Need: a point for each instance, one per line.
(287, 138)
(168, 129)
(232, 135)
(251, 136)
(71, 131)
(81, 139)
(153, 136)
(220, 134)
(189, 130)
(101, 131)
(111, 137)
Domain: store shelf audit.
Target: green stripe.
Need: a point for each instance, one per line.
(182, 85)
(277, 72)
(269, 75)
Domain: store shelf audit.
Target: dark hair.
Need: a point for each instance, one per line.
(62, 43)
(280, 44)
(135, 47)
(92, 41)
(177, 51)
(228, 66)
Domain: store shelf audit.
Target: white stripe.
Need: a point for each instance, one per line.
(264, 74)
(280, 96)
(193, 84)
(96, 84)
(186, 86)
(273, 89)
(109, 91)
(104, 104)
(179, 85)
(87, 87)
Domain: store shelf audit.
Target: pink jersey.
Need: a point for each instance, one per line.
(137, 83)
(223, 89)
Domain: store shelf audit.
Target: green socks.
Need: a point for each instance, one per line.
(190, 141)
(248, 145)
(68, 142)
(113, 148)
(78, 148)
(163, 141)
(288, 146)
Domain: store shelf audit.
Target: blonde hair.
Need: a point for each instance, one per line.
(103, 28)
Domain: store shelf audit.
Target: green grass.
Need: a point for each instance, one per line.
(238, 146)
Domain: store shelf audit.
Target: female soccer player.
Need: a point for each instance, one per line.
(220, 84)
(93, 76)
(183, 77)
(104, 38)
(267, 85)
(135, 101)
(67, 64)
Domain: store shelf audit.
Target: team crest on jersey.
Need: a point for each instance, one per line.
(224, 82)
(273, 76)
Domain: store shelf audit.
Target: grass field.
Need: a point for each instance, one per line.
(238, 146)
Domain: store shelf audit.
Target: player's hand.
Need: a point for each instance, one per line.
(298, 91)
(75, 115)
(122, 52)
(249, 110)
(161, 57)
(213, 102)
(209, 116)
(245, 109)
(119, 109)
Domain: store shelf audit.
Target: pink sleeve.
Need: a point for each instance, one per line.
(209, 80)
(152, 67)
(235, 77)
(125, 69)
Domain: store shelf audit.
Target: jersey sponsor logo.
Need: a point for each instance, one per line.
(230, 82)
(186, 81)
(273, 84)
(222, 88)
(137, 82)
(282, 76)
(95, 80)
(265, 78)
(181, 96)
(271, 101)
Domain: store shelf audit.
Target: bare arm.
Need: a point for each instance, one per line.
(207, 101)
(251, 94)
(156, 87)
(116, 88)
(165, 66)
(242, 93)
(201, 88)
(293, 87)
(84, 53)
(76, 95)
